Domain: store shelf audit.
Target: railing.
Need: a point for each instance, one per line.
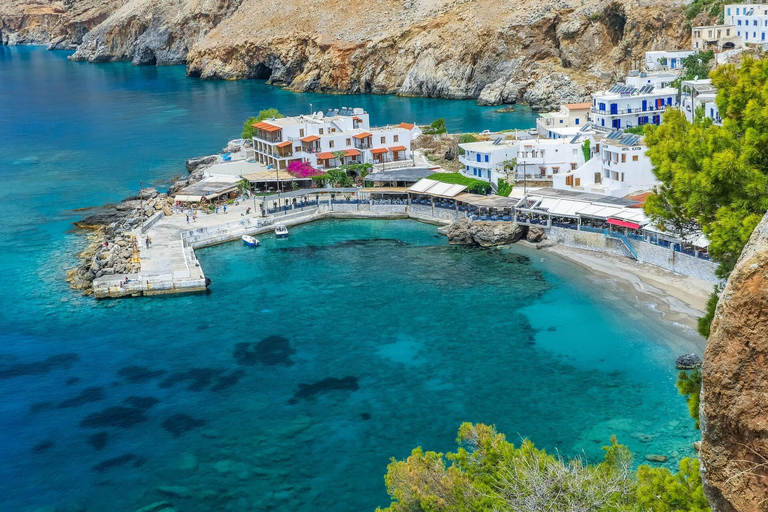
(649, 108)
(623, 238)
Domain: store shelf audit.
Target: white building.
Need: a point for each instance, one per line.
(315, 138)
(699, 94)
(624, 105)
(716, 37)
(666, 60)
(486, 160)
(657, 79)
(750, 20)
(618, 168)
(570, 115)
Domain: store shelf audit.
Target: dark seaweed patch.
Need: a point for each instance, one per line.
(41, 406)
(92, 394)
(365, 416)
(271, 351)
(199, 378)
(98, 440)
(178, 424)
(106, 465)
(142, 403)
(139, 374)
(227, 381)
(122, 417)
(43, 446)
(72, 380)
(552, 329)
(307, 391)
(57, 362)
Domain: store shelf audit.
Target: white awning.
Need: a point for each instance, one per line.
(436, 188)
(567, 208)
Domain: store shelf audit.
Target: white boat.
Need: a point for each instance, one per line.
(281, 231)
(250, 241)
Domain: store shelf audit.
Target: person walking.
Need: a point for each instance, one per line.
(187, 218)
(225, 208)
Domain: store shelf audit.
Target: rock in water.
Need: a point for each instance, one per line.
(688, 362)
(734, 398)
(203, 162)
(459, 233)
(489, 234)
(656, 458)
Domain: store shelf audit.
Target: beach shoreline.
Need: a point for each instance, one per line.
(678, 299)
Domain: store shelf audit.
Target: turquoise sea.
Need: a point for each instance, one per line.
(312, 360)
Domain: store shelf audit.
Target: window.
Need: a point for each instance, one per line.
(737, 11)
(623, 158)
(738, 22)
(301, 132)
(396, 138)
(634, 158)
(321, 131)
(333, 130)
(754, 23)
(622, 176)
(330, 144)
(727, 32)
(577, 121)
(561, 121)
(729, 11)
(297, 149)
(573, 166)
(486, 158)
(478, 157)
(578, 182)
(383, 140)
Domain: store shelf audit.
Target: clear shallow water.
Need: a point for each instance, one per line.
(362, 339)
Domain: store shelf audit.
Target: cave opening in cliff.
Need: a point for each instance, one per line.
(261, 71)
(614, 20)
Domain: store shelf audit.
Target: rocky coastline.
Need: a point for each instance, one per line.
(111, 230)
(491, 234)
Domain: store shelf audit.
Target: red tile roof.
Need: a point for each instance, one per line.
(310, 138)
(398, 148)
(379, 151)
(352, 152)
(407, 126)
(363, 135)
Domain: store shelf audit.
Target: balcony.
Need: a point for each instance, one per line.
(474, 163)
(632, 111)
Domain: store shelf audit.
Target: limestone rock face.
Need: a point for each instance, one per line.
(543, 52)
(487, 234)
(734, 399)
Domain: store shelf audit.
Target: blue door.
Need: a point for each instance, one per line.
(645, 105)
(657, 120)
(614, 108)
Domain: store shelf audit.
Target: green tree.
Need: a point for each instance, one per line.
(436, 127)
(586, 148)
(716, 176)
(705, 322)
(659, 490)
(689, 384)
(248, 129)
(504, 188)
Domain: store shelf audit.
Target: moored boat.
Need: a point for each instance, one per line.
(250, 241)
(281, 231)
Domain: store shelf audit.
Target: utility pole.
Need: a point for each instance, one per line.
(141, 209)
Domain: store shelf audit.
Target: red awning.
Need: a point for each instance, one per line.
(352, 152)
(379, 151)
(363, 135)
(284, 144)
(623, 223)
(397, 148)
(266, 127)
(325, 156)
(310, 138)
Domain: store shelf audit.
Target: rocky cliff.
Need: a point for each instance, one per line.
(734, 400)
(542, 52)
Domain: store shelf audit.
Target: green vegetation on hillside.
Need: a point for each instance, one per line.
(465, 138)
(473, 185)
(488, 473)
(436, 127)
(269, 113)
(504, 188)
(689, 384)
(715, 176)
(713, 9)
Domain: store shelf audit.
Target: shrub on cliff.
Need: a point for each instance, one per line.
(488, 473)
(473, 185)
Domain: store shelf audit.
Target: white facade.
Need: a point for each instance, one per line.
(658, 79)
(699, 94)
(570, 115)
(666, 60)
(486, 160)
(617, 169)
(624, 106)
(750, 21)
(314, 138)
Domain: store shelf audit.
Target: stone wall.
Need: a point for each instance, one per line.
(648, 253)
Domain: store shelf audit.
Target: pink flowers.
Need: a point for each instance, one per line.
(302, 170)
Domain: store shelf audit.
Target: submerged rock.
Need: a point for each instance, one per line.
(180, 423)
(656, 458)
(158, 506)
(271, 351)
(688, 362)
(307, 391)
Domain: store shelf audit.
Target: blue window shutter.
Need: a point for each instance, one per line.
(577, 121)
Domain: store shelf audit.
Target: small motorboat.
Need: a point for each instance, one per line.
(281, 231)
(250, 241)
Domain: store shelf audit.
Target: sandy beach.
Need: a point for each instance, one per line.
(679, 299)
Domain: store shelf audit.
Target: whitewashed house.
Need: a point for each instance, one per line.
(624, 106)
(570, 115)
(750, 20)
(666, 60)
(697, 94)
(315, 138)
(542, 159)
(619, 167)
(486, 160)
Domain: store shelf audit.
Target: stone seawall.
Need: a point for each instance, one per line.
(648, 253)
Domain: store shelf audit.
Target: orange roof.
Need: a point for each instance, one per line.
(351, 152)
(363, 135)
(325, 156)
(407, 126)
(378, 151)
(310, 138)
(398, 148)
(266, 127)
(579, 106)
(284, 144)
(356, 118)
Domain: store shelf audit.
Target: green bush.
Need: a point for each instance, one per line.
(464, 138)
(436, 127)
(248, 129)
(473, 185)
(637, 130)
(689, 384)
(504, 188)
